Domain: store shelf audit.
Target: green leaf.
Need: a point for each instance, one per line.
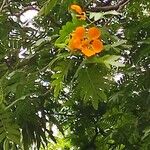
(91, 86)
(40, 41)
(49, 5)
(146, 133)
(9, 129)
(118, 43)
(112, 60)
(2, 136)
(108, 60)
(13, 130)
(61, 71)
(96, 16)
(99, 15)
(146, 41)
(112, 12)
(6, 144)
(1, 94)
(17, 100)
(65, 32)
(14, 138)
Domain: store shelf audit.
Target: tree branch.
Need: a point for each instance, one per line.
(118, 6)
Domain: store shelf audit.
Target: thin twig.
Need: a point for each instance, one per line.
(119, 6)
(17, 100)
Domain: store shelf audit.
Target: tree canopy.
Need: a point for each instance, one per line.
(76, 76)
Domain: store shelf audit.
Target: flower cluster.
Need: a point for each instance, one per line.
(86, 40)
(80, 13)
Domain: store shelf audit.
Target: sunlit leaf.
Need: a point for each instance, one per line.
(112, 60)
(99, 15)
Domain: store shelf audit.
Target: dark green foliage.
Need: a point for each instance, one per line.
(9, 130)
(88, 87)
(43, 84)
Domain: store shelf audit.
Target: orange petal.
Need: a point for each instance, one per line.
(88, 52)
(77, 9)
(74, 44)
(94, 33)
(79, 32)
(97, 46)
(85, 44)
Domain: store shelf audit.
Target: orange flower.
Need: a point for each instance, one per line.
(88, 52)
(77, 9)
(81, 14)
(94, 33)
(92, 47)
(97, 45)
(74, 44)
(87, 41)
(77, 36)
(86, 48)
(79, 32)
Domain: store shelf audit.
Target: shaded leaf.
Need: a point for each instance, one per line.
(49, 5)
